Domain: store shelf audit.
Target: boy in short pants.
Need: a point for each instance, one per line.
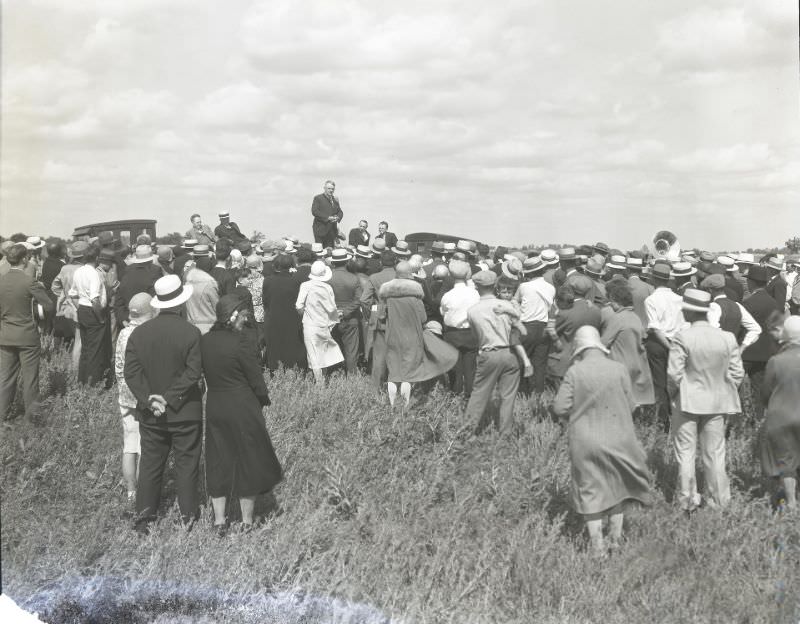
(139, 312)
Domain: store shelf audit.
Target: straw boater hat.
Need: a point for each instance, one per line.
(587, 337)
(594, 266)
(682, 269)
(320, 272)
(449, 249)
(533, 265)
(464, 246)
(170, 292)
(318, 249)
(378, 246)
(635, 264)
(340, 256)
(696, 300)
(288, 247)
(727, 262)
(617, 262)
(745, 258)
(437, 247)
(660, 271)
(201, 251)
(224, 214)
(567, 253)
(401, 249)
(549, 257)
(35, 242)
(707, 256)
(512, 268)
(363, 251)
(775, 263)
(142, 254)
(189, 243)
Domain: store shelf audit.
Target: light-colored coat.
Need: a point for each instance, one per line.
(705, 368)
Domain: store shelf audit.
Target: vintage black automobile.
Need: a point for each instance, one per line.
(420, 242)
(125, 231)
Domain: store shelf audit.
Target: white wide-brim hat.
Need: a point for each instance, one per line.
(315, 274)
(170, 292)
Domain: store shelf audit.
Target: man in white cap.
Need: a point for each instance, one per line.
(163, 366)
(201, 232)
(327, 214)
(227, 228)
(704, 373)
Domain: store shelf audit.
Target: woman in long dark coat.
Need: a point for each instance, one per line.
(780, 434)
(240, 460)
(284, 328)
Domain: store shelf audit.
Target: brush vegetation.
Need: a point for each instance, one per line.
(384, 515)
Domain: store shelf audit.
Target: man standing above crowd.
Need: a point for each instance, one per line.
(19, 336)
(227, 229)
(384, 234)
(327, 215)
(359, 236)
(162, 367)
(201, 232)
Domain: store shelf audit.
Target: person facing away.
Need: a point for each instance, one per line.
(163, 366)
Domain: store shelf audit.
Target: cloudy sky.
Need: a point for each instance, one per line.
(509, 122)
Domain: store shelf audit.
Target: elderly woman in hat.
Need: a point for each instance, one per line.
(623, 334)
(240, 460)
(317, 305)
(608, 462)
(780, 434)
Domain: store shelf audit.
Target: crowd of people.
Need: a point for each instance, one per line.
(605, 332)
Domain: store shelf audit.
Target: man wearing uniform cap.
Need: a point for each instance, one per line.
(163, 366)
(227, 228)
(490, 320)
(705, 371)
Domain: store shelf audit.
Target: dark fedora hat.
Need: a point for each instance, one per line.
(661, 271)
(758, 274)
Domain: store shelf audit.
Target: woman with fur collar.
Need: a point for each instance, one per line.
(412, 353)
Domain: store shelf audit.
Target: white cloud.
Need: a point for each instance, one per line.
(732, 159)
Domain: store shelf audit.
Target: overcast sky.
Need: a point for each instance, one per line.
(509, 122)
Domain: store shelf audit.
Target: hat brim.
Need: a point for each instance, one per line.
(732, 268)
(141, 260)
(538, 269)
(324, 277)
(691, 272)
(690, 307)
(400, 252)
(39, 246)
(507, 273)
(600, 273)
(185, 295)
(611, 265)
(594, 345)
(364, 255)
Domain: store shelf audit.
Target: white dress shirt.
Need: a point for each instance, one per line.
(535, 298)
(87, 286)
(455, 304)
(664, 312)
(748, 322)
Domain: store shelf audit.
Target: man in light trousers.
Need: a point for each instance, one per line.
(704, 372)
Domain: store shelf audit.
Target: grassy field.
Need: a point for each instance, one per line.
(385, 516)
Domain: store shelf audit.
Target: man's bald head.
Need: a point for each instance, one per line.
(403, 269)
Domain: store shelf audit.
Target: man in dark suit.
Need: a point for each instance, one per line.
(162, 367)
(359, 236)
(388, 237)
(768, 313)
(140, 277)
(327, 215)
(228, 229)
(19, 335)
